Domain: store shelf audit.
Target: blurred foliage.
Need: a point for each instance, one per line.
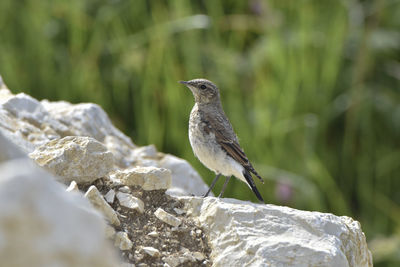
(311, 87)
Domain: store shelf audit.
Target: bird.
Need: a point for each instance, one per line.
(213, 139)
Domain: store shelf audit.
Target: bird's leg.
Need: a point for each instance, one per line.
(212, 185)
(224, 186)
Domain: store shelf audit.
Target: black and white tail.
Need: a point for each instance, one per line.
(252, 185)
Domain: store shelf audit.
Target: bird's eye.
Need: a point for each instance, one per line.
(203, 86)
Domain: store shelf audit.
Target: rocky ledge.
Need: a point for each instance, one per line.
(75, 191)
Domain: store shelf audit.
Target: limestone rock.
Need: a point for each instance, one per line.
(9, 150)
(167, 218)
(243, 233)
(153, 252)
(185, 180)
(198, 256)
(89, 119)
(25, 122)
(130, 202)
(97, 200)
(172, 260)
(110, 231)
(149, 151)
(110, 196)
(122, 241)
(124, 189)
(73, 187)
(42, 225)
(78, 158)
(153, 234)
(149, 178)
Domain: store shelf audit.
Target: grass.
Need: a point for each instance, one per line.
(311, 87)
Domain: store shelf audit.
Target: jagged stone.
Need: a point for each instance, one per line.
(130, 202)
(243, 233)
(198, 256)
(110, 196)
(78, 158)
(73, 187)
(97, 200)
(122, 241)
(153, 252)
(149, 178)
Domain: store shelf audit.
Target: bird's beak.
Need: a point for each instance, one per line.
(184, 82)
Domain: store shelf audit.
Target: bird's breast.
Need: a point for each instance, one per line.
(207, 150)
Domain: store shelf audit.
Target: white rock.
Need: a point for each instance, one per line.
(42, 225)
(25, 122)
(149, 178)
(124, 189)
(172, 260)
(110, 231)
(122, 241)
(78, 158)
(179, 211)
(153, 252)
(110, 196)
(130, 202)
(9, 150)
(86, 119)
(167, 218)
(187, 256)
(198, 256)
(153, 234)
(185, 180)
(242, 234)
(30, 123)
(149, 151)
(73, 187)
(97, 200)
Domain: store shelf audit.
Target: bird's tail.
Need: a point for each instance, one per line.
(252, 185)
(255, 173)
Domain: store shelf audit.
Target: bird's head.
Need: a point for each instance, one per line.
(204, 91)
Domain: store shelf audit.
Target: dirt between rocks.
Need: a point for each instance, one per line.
(172, 242)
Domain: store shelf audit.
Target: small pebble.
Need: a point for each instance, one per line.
(73, 187)
(124, 189)
(153, 252)
(153, 234)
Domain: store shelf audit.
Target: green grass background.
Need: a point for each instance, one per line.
(310, 86)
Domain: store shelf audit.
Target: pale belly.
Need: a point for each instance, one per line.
(207, 150)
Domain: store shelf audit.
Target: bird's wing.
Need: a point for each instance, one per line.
(228, 141)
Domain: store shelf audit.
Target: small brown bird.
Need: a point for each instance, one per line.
(213, 140)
